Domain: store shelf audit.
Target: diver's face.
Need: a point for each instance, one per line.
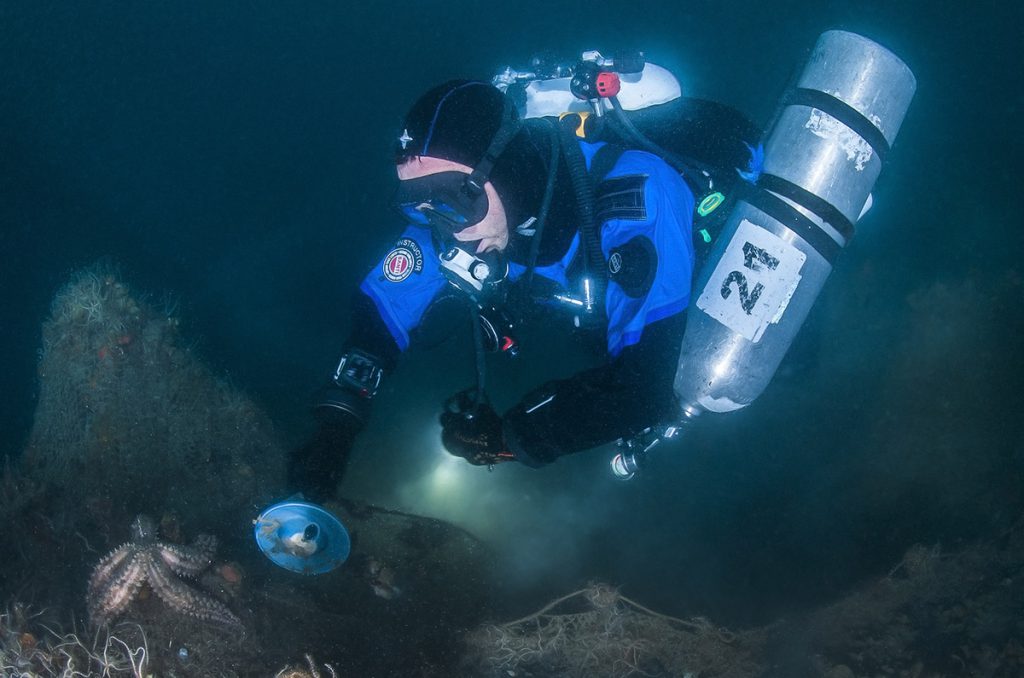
(491, 233)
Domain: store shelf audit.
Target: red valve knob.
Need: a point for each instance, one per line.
(607, 84)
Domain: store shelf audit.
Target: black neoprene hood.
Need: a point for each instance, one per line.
(454, 121)
(457, 121)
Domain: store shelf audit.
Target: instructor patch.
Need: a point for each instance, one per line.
(405, 259)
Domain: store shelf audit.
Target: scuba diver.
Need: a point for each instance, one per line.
(569, 195)
(508, 219)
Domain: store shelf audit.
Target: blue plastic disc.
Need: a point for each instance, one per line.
(302, 537)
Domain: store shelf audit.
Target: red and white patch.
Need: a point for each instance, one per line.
(403, 260)
(399, 264)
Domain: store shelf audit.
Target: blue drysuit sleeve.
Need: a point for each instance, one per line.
(404, 282)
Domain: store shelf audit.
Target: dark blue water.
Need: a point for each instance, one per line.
(237, 156)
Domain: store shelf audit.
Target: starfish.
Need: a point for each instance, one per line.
(117, 579)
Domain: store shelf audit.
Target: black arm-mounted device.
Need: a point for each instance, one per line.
(352, 385)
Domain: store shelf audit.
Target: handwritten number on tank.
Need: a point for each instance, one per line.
(757, 276)
(753, 258)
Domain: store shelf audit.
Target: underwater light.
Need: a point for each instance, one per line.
(446, 474)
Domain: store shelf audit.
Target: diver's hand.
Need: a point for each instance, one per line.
(316, 468)
(473, 431)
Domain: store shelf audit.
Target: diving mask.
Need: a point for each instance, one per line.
(446, 201)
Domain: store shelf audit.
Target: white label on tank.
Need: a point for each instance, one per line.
(753, 281)
(823, 125)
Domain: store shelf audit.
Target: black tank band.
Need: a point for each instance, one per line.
(788, 216)
(801, 196)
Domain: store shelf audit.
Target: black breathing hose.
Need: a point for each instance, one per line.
(593, 259)
(480, 358)
(545, 207)
(687, 167)
(542, 217)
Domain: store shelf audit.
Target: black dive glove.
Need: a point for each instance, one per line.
(342, 407)
(316, 468)
(472, 430)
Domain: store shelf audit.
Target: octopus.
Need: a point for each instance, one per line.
(121, 576)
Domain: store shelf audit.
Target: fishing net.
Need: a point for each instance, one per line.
(598, 632)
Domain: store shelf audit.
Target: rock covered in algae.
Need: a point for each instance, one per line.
(128, 416)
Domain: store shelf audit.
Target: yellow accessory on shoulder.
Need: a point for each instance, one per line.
(581, 129)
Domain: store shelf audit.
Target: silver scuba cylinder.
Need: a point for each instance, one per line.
(822, 157)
